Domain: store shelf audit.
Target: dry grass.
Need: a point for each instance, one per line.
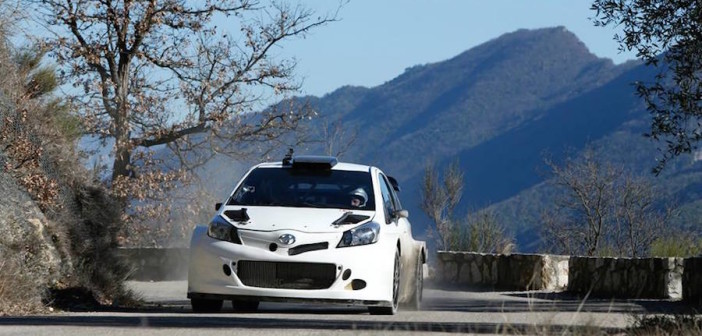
(23, 276)
(682, 325)
(646, 325)
(20, 290)
(641, 325)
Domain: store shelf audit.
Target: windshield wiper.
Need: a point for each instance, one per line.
(308, 205)
(270, 204)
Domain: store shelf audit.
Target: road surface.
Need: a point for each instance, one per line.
(167, 312)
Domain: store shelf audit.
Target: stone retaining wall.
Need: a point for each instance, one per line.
(692, 281)
(507, 272)
(157, 264)
(649, 278)
(637, 278)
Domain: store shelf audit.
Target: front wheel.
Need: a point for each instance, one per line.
(416, 300)
(242, 306)
(395, 292)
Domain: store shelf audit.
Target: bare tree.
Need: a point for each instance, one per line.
(440, 197)
(336, 138)
(168, 89)
(478, 231)
(157, 73)
(601, 209)
(585, 203)
(638, 222)
(11, 12)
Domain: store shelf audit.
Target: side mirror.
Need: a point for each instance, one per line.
(394, 183)
(218, 206)
(402, 214)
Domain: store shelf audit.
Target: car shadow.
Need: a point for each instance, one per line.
(504, 302)
(193, 321)
(178, 314)
(183, 306)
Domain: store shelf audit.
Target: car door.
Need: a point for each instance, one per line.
(391, 203)
(401, 222)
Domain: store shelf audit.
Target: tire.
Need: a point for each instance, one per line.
(244, 306)
(206, 306)
(395, 292)
(415, 302)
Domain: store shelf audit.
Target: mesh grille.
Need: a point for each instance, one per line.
(286, 275)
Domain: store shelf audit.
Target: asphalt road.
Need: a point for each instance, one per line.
(168, 313)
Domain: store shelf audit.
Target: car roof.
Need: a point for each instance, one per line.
(339, 166)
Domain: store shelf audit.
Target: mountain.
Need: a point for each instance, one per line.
(437, 110)
(498, 108)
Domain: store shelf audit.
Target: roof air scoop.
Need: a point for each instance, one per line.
(287, 160)
(311, 162)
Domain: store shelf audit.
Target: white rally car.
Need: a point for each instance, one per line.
(308, 229)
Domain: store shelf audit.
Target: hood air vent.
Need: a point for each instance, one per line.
(350, 218)
(237, 215)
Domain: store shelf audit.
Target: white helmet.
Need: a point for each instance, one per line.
(360, 193)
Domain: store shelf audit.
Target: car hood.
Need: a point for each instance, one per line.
(311, 220)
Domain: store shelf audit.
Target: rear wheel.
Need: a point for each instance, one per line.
(206, 306)
(244, 306)
(395, 292)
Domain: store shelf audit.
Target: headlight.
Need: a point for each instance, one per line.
(361, 235)
(221, 229)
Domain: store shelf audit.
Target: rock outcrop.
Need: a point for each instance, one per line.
(25, 231)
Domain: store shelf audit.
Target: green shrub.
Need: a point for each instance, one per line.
(677, 245)
(480, 232)
(94, 242)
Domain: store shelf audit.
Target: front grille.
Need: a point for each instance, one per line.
(286, 275)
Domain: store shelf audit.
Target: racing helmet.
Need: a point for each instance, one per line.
(361, 194)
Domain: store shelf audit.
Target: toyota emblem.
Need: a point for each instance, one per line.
(287, 239)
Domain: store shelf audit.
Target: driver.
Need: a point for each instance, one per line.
(359, 197)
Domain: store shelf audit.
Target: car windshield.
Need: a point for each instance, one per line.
(306, 188)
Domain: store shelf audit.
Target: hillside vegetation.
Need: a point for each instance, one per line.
(58, 227)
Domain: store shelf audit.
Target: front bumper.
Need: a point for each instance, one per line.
(371, 264)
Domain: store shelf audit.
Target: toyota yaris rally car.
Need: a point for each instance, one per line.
(308, 229)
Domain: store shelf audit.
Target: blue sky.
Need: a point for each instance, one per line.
(375, 40)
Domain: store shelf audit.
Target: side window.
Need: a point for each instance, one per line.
(395, 199)
(393, 194)
(388, 202)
